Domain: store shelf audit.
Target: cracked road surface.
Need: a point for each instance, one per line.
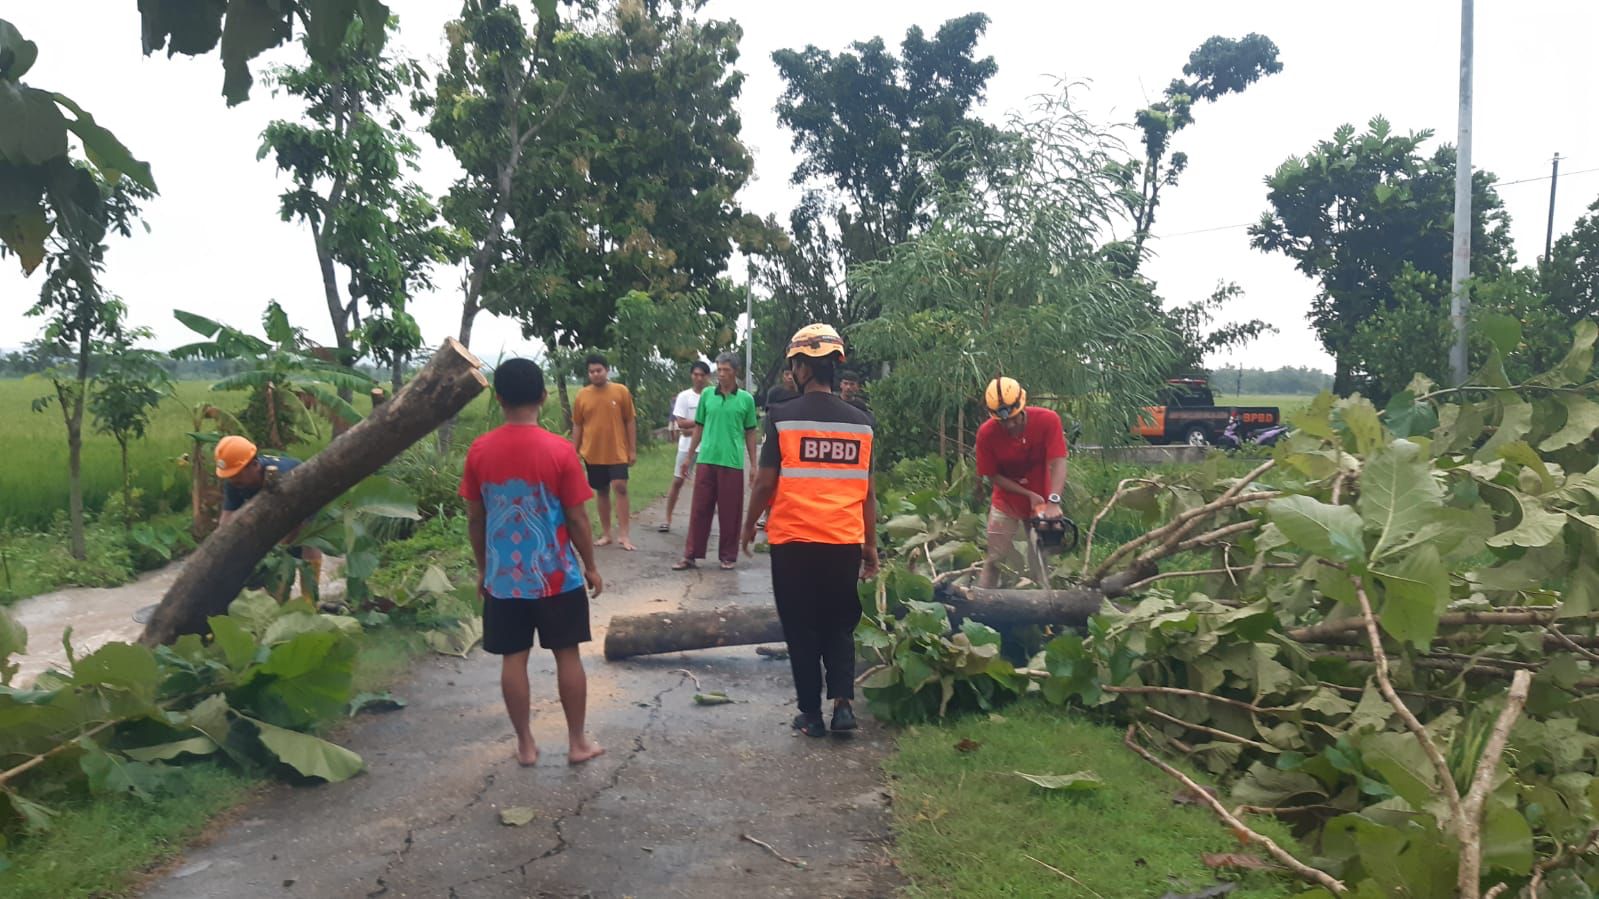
(662, 813)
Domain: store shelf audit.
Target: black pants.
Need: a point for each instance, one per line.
(814, 584)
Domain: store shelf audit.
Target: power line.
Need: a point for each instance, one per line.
(1497, 184)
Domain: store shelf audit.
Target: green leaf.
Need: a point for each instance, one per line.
(1316, 418)
(35, 817)
(382, 702)
(1325, 530)
(1398, 495)
(17, 54)
(254, 610)
(902, 527)
(434, 580)
(125, 666)
(456, 640)
(109, 773)
(1360, 419)
(382, 497)
(1503, 330)
(33, 130)
(1515, 420)
(167, 751)
(1506, 839)
(1582, 419)
(713, 698)
(1407, 418)
(518, 815)
(237, 646)
(251, 27)
(310, 679)
(103, 149)
(1538, 526)
(1076, 782)
(1416, 592)
(311, 756)
(1403, 765)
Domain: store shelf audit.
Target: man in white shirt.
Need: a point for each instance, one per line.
(683, 409)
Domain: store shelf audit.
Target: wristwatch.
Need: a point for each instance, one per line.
(1053, 499)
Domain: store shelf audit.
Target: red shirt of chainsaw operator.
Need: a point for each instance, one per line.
(1024, 459)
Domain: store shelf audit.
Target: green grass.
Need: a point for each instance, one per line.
(1286, 403)
(102, 847)
(965, 822)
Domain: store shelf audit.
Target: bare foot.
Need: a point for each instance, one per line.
(578, 753)
(603, 541)
(527, 754)
(627, 545)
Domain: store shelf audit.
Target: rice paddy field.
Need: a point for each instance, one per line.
(33, 447)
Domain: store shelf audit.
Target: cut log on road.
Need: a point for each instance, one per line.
(217, 571)
(658, 632)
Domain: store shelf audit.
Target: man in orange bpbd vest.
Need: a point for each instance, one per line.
(816, 475)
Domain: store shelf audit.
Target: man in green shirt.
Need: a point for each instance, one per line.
(724, 437)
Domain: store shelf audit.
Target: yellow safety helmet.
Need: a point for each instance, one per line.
(1004, 398)
(817, 341)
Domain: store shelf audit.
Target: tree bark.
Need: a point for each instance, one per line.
(566, 401)
(74, 417)
(127, 486)
(217, 571)
(636, 635)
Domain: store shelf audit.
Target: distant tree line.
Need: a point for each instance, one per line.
(1288, 379)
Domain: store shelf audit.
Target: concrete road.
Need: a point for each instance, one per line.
(663, 813)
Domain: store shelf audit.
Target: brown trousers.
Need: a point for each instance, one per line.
(719, 490)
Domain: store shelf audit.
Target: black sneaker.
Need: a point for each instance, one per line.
(843, 718)
(810, 724)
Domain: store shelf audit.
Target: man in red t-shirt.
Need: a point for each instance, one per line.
(527, 516)
(1022, 450)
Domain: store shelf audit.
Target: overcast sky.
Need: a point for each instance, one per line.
(217, 245)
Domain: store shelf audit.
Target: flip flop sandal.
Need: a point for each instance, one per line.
(684, 565)
(665, 528)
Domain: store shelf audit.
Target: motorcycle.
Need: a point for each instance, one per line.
(1233, 436)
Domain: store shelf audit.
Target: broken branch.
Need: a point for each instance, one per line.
(1469, 824)
(1242, 830)
(768, 847)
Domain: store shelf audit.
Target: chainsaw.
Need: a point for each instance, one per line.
(1053, 536)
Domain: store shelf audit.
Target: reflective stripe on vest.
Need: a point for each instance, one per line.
(823, 483)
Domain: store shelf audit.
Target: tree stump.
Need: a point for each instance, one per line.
(217, 571)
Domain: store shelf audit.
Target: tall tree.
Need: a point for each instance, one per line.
(348, 162)
(874, 129)
(1355, 210)
(487, 107)
(80, 316)
(1008, 278)
(635, 181)
(1571, 274)
(1218, 67)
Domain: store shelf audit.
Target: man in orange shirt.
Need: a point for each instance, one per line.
(603, 432)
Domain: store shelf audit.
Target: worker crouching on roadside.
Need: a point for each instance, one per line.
(816, 476)
(243, 471)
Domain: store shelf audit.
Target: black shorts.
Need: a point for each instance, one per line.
(601, 476)
(561, 621)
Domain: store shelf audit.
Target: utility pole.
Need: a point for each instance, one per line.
(749, 327)
(1549, 233)
(1460, 270)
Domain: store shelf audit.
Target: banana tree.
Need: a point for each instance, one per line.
(291, 385)
(205, 491)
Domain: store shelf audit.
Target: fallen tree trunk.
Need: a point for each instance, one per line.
(659, 632)
(217, 571)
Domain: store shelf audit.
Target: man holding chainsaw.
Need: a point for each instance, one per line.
(1022, 450)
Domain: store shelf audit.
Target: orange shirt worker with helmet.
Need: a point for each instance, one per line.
(243, 472)
(1022, 450)
(816, 475)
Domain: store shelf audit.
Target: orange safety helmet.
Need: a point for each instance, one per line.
(233, 454)
(1004, 398)
(817, 341)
